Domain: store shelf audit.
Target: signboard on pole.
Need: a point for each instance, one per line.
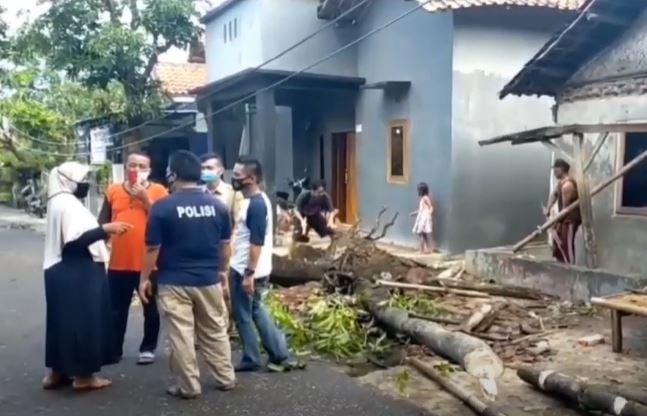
(99, 142)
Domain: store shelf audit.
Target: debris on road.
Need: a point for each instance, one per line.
(355, 301)
(591, 340)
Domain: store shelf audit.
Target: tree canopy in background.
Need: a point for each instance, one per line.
(41, 107)
(107, 44)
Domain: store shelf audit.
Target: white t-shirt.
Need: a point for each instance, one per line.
(253, 226)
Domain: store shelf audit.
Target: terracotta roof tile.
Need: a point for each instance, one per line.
(179, 79)
(439, 5)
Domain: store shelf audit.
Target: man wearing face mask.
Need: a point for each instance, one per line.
(130, 202)
(212, 176)
(250, 269)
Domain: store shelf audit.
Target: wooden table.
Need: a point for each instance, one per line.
(621, 305)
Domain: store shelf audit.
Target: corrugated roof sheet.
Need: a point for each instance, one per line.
(439, 5)
(598, 24)
(180, 79)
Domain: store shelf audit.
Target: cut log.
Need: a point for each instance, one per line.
(473, 354)
(437, 319)
(494, 290)
(489, 318)
(533, 337)
(432, 289)
(288, 271)
(467, 397)
(628, 393)
(477, 317)
(591, 397)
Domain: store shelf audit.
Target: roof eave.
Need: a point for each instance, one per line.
(217, 11)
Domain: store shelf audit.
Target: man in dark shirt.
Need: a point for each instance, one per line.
(188, 238)
(315, 210)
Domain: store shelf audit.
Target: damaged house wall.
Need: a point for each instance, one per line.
(605, 90)
(496, 191)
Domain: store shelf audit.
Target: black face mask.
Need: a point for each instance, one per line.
(237, 183)
(82, 189)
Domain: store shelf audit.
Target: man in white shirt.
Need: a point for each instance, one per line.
(251, 265)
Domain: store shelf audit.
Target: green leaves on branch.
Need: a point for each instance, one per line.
(329, 326)
(101, 43)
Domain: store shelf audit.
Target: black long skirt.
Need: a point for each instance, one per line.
(79, 325)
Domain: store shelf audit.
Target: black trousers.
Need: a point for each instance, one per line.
(319, 223)
(122, 286)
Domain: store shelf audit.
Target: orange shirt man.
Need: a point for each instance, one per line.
(130, 202)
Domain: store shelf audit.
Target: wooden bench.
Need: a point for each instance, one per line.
(621, 305)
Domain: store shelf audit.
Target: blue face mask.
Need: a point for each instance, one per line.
(210, 177)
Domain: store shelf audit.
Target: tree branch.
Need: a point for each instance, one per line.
(135, 15)
(112, 9)
(152, 60)
(8, 143)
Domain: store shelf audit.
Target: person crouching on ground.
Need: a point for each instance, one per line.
(79, 325)
(315, 210)
(188, 238)
(249, 276)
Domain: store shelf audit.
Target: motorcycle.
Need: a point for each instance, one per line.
(32, 198)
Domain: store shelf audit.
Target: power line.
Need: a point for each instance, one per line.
(260, 66)
(278, 83)
(34, 139)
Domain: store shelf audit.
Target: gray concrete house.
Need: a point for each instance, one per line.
(405, 105)
(596, 70)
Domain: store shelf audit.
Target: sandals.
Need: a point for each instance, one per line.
(95, 383)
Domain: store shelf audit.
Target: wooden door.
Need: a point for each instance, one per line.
(344, 186)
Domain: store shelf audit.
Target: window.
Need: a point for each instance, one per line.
(631, 197)
(397, 153)
(230, 30)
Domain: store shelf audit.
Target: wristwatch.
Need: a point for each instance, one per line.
(248, 272)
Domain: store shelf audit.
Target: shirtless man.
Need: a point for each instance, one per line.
(565, 193)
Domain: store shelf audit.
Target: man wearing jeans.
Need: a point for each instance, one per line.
(251, 266)
(188, 238)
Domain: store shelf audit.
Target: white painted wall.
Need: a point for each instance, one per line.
(267, 28)
(245, 51)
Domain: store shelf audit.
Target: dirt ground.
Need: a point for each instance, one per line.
(597, 364)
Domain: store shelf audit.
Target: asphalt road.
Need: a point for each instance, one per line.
(321, 390)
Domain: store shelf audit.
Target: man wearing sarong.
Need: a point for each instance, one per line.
(564, 231)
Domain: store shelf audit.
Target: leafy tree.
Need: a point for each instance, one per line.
(111, 44)
(41, 107)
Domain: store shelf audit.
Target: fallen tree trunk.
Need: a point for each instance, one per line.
(461, 393)
(494, 290)
(628, 393)
(580, 394)
(288, 271)
(473, 354)
(432, 289)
